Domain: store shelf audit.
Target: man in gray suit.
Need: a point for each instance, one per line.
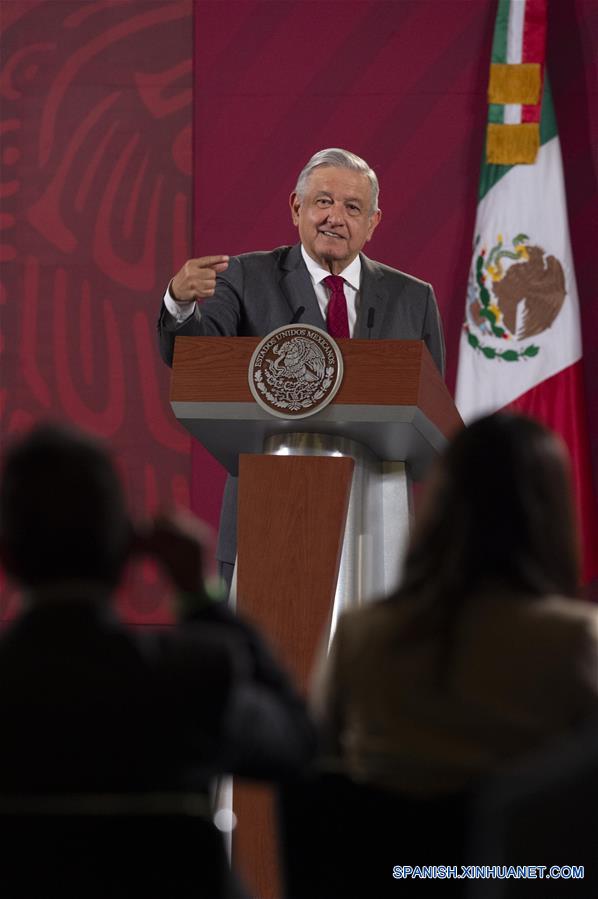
(335, 209)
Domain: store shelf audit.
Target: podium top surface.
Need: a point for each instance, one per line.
(392, 399)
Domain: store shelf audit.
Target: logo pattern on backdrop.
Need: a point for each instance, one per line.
(96, 166)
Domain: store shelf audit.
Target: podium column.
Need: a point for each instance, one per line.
(291, 523)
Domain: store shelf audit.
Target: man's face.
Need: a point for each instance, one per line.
(333, 218)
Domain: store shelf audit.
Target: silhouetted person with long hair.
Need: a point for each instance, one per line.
(483, 654)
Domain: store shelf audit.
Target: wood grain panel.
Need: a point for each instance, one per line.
(376, 372)
(291, 523)
(292, 512)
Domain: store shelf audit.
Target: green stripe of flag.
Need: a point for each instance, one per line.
(496, 113)
(499, 43)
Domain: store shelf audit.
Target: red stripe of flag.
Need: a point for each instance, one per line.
(534, 32)
(559, 403)
(534, 47)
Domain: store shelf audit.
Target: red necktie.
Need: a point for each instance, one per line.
(337, 319)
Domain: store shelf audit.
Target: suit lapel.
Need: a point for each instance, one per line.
(296, 286)
(373, 297)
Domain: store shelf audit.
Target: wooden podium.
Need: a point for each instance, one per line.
(324, 501)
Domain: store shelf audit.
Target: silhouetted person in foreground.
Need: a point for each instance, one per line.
(483, 654)
(89, 706)
(480, 658)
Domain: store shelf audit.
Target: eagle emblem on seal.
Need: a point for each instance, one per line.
(298, 358)
(295, 371)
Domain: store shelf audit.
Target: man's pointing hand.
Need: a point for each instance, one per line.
(197, 278)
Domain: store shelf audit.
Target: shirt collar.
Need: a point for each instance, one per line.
(351, 274)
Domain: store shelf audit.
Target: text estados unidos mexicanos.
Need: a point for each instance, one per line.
(488, 872)
(301, 331)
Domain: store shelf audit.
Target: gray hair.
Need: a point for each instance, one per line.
(341, 159)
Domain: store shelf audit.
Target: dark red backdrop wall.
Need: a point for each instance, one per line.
(96, 120)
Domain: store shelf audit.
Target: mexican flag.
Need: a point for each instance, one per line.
(521, 341)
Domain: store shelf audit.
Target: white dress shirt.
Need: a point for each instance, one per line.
(351, 276)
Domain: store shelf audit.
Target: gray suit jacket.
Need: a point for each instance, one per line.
(262, 291)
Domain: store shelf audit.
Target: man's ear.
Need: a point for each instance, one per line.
(295, 203)
(374, 222)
